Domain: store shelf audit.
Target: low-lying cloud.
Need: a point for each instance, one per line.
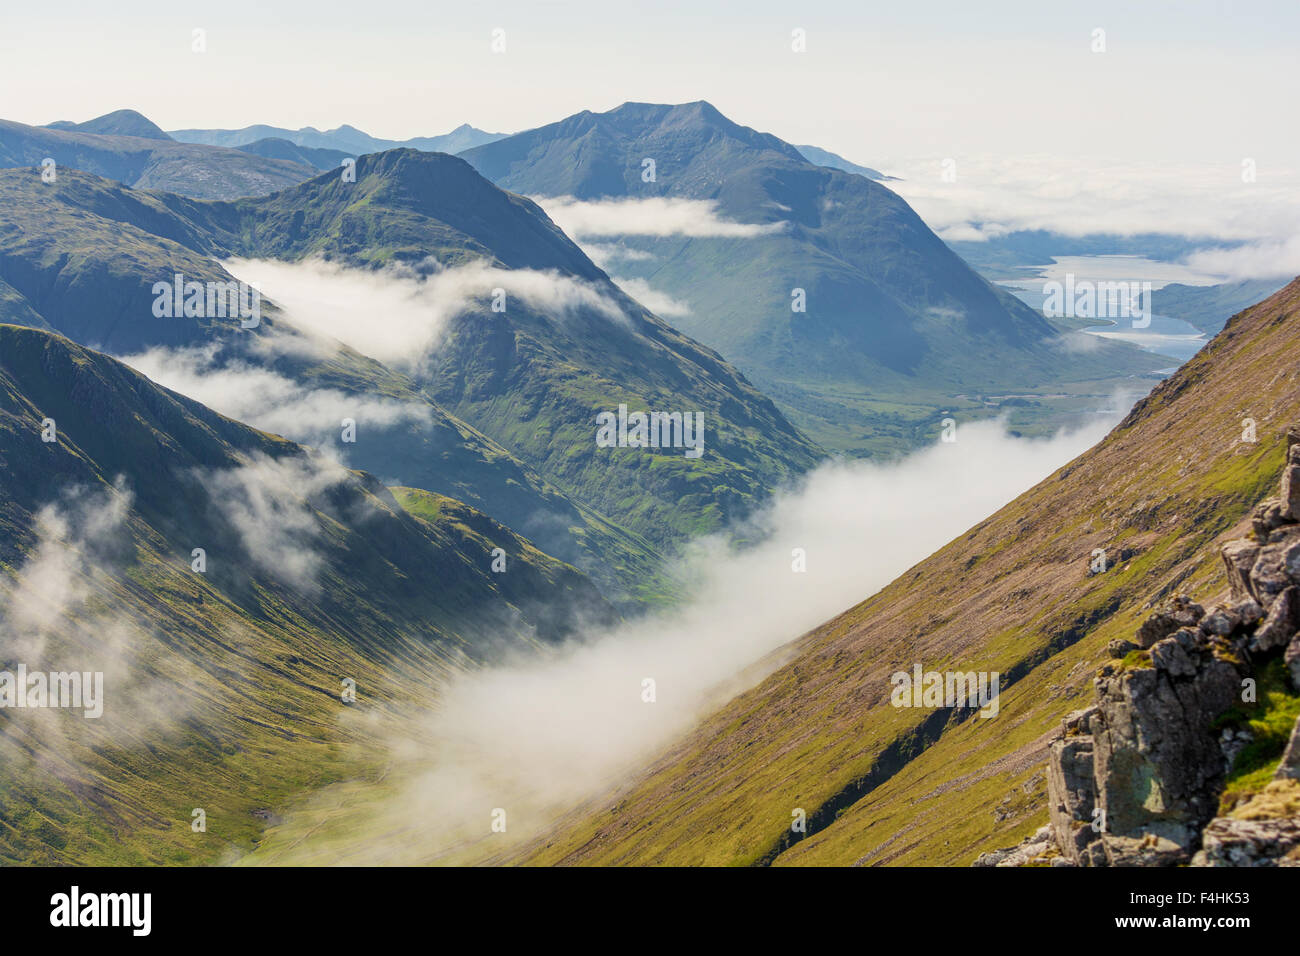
(270, 401)
(657, 216)
(1279, 259)
(266, 502)
(660, 303)
(538, 736)
(398, 315)
(61, 612)
(991, 196)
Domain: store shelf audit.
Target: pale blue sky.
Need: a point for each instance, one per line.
(1185, 81)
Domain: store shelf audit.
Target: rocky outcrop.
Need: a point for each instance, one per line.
(1037, 849)
(1137, 779)
(1072, 790)
(1159, 765)
(1265, 829)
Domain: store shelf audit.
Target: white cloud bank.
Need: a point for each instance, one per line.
(61, 611)
(660, 303)
(657, 216)
(267, 400)
(1084, 196)
(539, 736)
(1257, 260)
(266, 503)
(398, 317)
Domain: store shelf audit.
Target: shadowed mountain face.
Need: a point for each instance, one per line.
(345, 138)
(839, 301)
(1020, 596)
(824, 157)
(319, 159)
(1209, 307)
(128, 148)
(227, 584)
(507, 401)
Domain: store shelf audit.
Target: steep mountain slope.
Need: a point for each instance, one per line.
(533, 377)
(837, 300)
(1017, 595)
(346, 138)
(221, 683)
(128, 148)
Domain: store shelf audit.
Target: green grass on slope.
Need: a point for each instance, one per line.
(904, 787)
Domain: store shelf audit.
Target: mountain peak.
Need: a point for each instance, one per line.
(117, 123)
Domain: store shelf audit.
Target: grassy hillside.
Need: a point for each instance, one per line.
(885, 785)
(222, 688)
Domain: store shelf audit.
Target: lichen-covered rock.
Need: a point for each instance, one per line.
(1277, 566)
(1148, 849)
(1249, 612)
(1266, 516)
(1230, 842)
(1177, 654)
(1071, 790)
(1037, 848)
(1289, 768)
(1239, 557)
(1179, 613)
(1292, 660)
(1119, 649)
(1221, 620)
(1281, 624)
(1232, 741)
(1290, 502)
(1159, 766)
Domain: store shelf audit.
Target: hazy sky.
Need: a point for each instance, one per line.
(1195, 80)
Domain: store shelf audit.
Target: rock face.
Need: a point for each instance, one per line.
(1229, 842)
(1136, 779)
(1035, 849)
(1159, 765)
(1072, 791)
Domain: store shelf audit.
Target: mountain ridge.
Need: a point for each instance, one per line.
(146, 162)
(345, 138)
(829, 292)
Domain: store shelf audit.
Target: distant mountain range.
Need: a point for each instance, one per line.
(206, 164)
(347, 139)
(828, 290)
(126, 147)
